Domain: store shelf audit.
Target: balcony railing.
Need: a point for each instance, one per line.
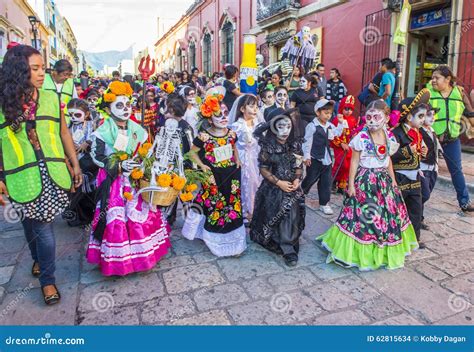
(269, 8)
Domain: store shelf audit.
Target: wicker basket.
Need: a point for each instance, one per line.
(161, 198)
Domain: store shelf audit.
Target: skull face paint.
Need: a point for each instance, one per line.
(269, 98)
(191, 97)
(417, 119)
(281, 97)
(429, 118)
(282, 128)
(306, 32)
(77, 115)
(375, 119)
(121, 108)
(92, 102)
(303, 83)
(221, 121)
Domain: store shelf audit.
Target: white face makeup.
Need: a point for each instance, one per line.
(417, 119)
(375, 119)
(283, 128)
(429, 118)
(306, 32)
(121, 108)
(281, 97)
(269, 99)
(222, 120)
(191, 97)
(92, 102)
(303, 83)
(76, 115)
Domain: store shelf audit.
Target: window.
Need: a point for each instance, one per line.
(3, 43)
(206, 54)
(192, 54)
(227, 43)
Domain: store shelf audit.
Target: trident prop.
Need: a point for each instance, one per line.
(146, 71)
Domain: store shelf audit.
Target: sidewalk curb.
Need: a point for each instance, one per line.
(446, 181)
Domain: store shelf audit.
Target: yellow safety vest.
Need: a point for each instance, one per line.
(448, 119)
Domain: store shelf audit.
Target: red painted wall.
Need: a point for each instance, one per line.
(465, 72)
(342, 46)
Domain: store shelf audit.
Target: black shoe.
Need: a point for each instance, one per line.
(291, 259)
(421, 245)
(35, 269)
(424, 226)
(467, 208)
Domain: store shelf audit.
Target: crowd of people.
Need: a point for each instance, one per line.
(68, 147)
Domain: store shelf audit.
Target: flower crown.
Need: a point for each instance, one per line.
(115, 89)
(167, 87)
(211, 105)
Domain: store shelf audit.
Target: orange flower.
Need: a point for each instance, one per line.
(128, 196)
(136, 174)
(191, 188)
(214, 104)
(123, 157)
(120, 88)
(164, 180)
(206, 111)
(178, 183)
(109, 97)
(186, 197)
(142, 152)
(147, 145)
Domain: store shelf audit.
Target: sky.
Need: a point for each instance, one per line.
(102, 25)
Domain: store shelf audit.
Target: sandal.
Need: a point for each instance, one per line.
(52, 299)
(35, 269)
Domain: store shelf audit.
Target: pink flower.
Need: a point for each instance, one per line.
(360, 196)
(357, 227)
(392, 206)
(232, 215)
(379, 222)
(199, 198)
(391, 237)
(221, 222)
(366, 237)
(207, 203)
(348, 213)
(402, 211)
(358, 211)
(211, 158)
(372, 178)
(383, 184)
(393, 223)
(380, 198)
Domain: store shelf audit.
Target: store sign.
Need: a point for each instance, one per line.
(431, 18)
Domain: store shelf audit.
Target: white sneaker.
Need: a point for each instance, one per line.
(326, 209)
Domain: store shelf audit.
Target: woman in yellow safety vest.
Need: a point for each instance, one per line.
(450, 99)
(34, 143)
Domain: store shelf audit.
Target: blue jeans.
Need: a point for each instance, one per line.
(42, 243)
(452, 156)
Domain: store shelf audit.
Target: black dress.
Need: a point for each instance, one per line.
(279, 217)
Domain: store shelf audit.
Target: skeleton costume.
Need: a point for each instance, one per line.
(219, 221)
(279, 217)
(373, 229)
(127, 235)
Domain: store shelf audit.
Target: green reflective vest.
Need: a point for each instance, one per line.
(20, 161)
(66, 93)
(448, 118)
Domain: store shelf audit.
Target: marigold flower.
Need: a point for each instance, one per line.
(109, 97)
(215, 215)
(206, 111)
(128, 196)
(123, 157)
(136, 174)
(191, 188)
(221, 141)
(178, 183)
(164, 180)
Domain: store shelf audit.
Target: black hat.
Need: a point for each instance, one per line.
(407, 105)
(271, 112)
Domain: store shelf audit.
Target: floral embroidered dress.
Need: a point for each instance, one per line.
(219, 222)
(373, 228)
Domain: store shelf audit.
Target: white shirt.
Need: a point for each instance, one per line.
(368, 157)
(331, 131)
(423, 166)
(59, 88)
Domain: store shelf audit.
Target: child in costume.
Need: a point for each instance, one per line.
(373, 228)
(429, 162)
(191, 116)
(406, 161)
(243, 119)
(221, 225)
(128, 235)
(267, 99)
(340, 145)
(317, 157)
(81, 209)
(279, 213)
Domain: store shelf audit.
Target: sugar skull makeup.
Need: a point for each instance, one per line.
(191, 97)
(282, 128)
(121, 108)
(429, 118)
(375, 119)
(222, 120)
(303, 83)
(281, 97)
(92, 102)
(417, 119)
(269, 99)
(77, 115)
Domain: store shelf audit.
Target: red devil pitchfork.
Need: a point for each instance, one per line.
(146, 71)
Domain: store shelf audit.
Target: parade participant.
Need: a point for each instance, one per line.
(34, 144)
(317, 156)
(176, 106)
(322, 80)
(92, 99)
(279, 215)
(221, 226)
(373, 229)
(293, 83)
(449, 98)
(128, 235)
(406, 161)
(81, 209)
(429, 162)
(267, 99)
(243, 119)
(231, 90)
(281, 101)
(60, 81)
(305, 98)
(191, 116)
(276, 79)
(335, 88)
(340, 145)
(151, 120)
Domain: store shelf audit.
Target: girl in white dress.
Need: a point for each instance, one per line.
(243, 119)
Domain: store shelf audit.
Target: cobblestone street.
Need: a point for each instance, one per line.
(192, 287)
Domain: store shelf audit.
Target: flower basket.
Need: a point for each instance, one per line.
(160, 198)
